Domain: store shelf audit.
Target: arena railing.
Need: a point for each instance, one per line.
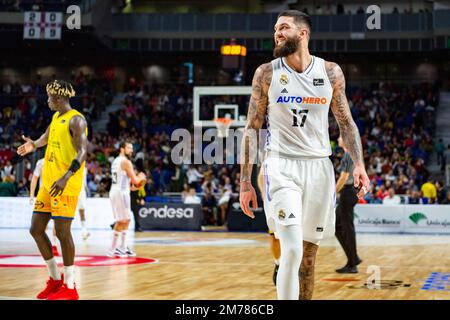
(190, 22)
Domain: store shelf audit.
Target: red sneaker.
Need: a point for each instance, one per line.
(64, 293)
(52, 287)
(55, 251)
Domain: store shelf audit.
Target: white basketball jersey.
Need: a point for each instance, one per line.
(120, 180)
(297, 114)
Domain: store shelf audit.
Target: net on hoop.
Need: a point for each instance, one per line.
(223, 124)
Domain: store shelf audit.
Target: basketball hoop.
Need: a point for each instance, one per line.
(223, 124)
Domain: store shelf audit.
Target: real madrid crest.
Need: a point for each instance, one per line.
(281, 214)
(284, 80)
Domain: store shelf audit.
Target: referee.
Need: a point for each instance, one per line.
(345, 229)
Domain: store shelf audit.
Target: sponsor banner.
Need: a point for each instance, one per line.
(171, 216)
(378, 218)
(16, 213)
(427, 219)
(402, 218)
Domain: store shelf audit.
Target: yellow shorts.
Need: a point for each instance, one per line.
(62, 207)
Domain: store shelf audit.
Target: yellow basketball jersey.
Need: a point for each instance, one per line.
(60, 153)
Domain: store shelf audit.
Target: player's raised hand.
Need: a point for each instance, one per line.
(361, 180)
(27, 147)
(247, 194)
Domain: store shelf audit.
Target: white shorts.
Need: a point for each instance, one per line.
(121, 204)
(82, 200)
(300, 192)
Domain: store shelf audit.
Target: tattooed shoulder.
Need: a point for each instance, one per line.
(263, 75)
(260, 96)
(335, 74)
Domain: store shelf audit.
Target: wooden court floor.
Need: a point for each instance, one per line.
(228, 265)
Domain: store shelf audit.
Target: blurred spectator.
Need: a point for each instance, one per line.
(225, 200)
(440, 149)
(7, 171)
(447, 199)
(7, 187)
(185, 192)
(177, 180)
(441, 191)
(194, 177)
(429, 191)
(415, 198)
(22, 188)
(372, 198)
(445, 158)
(392, 198)
(192, 197)
(209, 206)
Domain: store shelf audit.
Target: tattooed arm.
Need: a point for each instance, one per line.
(347, 127)
(255, 119)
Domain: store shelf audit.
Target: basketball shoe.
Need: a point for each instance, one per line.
(130, 253)
(116, 253)
(64, 293)
(52, 287)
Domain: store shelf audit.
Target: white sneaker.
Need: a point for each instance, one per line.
(116, 253)
(130, 253)
(85, 234)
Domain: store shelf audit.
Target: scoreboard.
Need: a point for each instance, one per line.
(42, 25)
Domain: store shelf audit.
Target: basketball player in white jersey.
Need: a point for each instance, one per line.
(122, 174)
(82, 199)
(295, 92)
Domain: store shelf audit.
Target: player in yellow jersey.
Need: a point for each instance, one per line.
(66, 140)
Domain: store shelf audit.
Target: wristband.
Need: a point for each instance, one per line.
(75, 165)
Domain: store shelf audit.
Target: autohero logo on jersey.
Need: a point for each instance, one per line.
(166, 212)
(302, 100)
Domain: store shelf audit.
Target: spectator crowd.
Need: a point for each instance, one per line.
(396, 123)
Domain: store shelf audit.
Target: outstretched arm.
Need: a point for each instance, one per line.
(255, 119)
(77, 127)
(30, 145)
(347, 127)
